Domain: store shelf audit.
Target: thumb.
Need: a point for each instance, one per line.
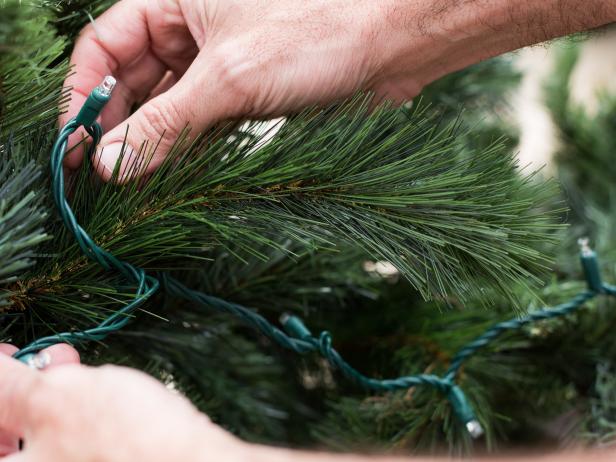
(201, 98)
(143, 140)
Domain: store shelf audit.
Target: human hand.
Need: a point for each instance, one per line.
(201, 62)
(74, 413)
(78, 413)
(55, 356)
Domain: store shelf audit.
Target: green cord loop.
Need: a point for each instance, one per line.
(146, 285)
(297, 337)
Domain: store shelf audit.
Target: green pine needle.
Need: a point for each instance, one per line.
(21, 219)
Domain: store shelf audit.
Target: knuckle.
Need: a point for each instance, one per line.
(237, 72)
(31, 390)
(225, 68)
(161, 119)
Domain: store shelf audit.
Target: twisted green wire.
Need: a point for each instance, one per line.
(297, 336)
(146, 285)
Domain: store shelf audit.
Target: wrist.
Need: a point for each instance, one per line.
(426, 39)
(429, 39)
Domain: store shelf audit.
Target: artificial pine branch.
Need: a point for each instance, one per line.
(586, 168)
(21, 219)
(553, 371)
(72, 15)
(393, 184)
(224, 373)
(31, 78)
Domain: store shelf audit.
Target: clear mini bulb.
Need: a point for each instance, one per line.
(107, 86)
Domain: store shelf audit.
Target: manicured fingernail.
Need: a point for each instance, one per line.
(62, 353)
(109, 156)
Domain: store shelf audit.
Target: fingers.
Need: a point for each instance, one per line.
(17, 384)
(399, 91)
(118, 44)
(60, 355)
(9, 442)
(16, 457)
(7, 349)
(151, 131)
(57, 355)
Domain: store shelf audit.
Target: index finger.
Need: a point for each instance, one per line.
(18, 383)
(113, 42)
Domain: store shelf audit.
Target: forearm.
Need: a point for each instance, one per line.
(433, 38)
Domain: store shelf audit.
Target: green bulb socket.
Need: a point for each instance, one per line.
(464, 411)
(590, 265)
(294, 326)
(95, 102)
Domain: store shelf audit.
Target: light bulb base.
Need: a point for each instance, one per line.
(95, 102)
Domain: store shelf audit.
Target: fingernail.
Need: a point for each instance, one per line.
(109, 155)
(62, 353)
(108, 158)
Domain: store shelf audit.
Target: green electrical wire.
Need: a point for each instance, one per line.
(297, 336)
(146, 285)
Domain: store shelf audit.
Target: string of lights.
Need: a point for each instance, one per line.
(294, 335)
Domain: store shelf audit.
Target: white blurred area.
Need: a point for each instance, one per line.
(593, 76)
(595, 72)
(538, 134)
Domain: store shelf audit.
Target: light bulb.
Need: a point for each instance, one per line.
(107, 86)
